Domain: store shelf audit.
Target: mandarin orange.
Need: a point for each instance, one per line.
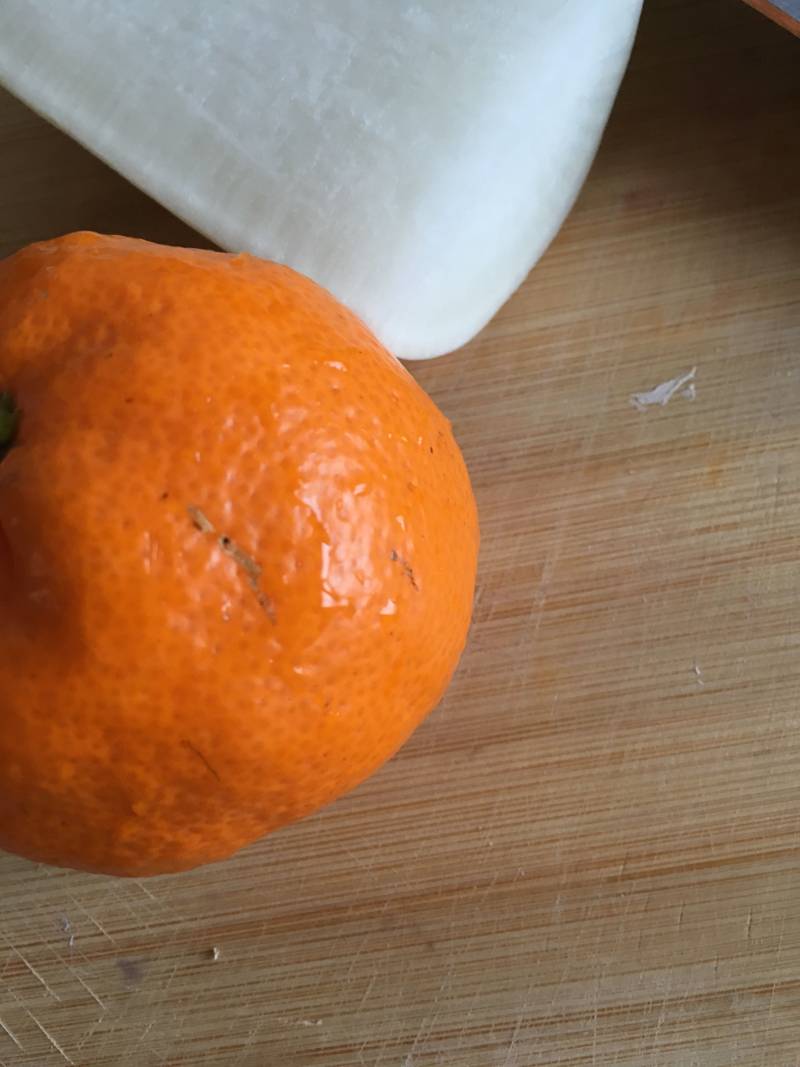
(239, 553)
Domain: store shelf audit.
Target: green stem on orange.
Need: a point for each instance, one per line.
(9, 422)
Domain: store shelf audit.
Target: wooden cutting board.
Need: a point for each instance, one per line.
(590, 855)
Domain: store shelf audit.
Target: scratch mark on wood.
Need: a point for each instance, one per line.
(510, 1056)
(771, 1000)
(169, 981)
(88, 988)
(146, 891)
(50, 1038)
(367, 992)
(37, 976)
(101, 928)
(7, 1030)
(249, 1042)
(89, 1033)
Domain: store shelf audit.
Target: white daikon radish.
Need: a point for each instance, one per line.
(414, 156)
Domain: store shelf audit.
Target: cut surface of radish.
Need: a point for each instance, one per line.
(414, 156)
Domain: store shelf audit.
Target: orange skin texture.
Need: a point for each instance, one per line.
(6, 567)
(238, 556)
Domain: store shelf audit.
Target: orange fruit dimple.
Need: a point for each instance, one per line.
(243, 547)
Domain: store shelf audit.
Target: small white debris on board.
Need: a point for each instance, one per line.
(66, 926)
(216, 953)
(661, 395)
(698, 674)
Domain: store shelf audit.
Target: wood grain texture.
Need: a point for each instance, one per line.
(590, 855)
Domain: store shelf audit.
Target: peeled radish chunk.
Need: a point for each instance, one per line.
(414, 157)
